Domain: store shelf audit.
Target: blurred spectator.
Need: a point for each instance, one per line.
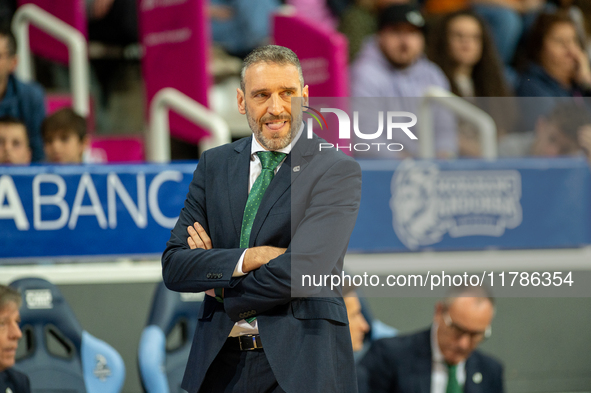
(360, 20)
(239, 26)
(14, 142)
(10, 332)
(364, 328)
(392, 64)
(565, 132)
(463, 48)
(508, 20)
(24, 101)
(585, 7)
(357, 323)
(573, 10)
(442, 358)
(7, 9)
(557, 67)
(322, 12)
(112, 22)
(64, 137)
(461, 45)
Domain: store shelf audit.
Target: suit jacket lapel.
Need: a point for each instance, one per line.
(302, 153)
(238, 173)
(423, 363)
(280, 184)
(472, 371)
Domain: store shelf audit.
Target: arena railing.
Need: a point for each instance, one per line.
(30, 14)
(158, 138)
(483, 121)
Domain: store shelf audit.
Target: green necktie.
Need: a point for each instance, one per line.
(453, 386)
(269, 161)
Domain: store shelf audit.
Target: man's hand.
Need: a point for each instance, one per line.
(584, 139)
(198, 238)
(258, 256)
(583, 71)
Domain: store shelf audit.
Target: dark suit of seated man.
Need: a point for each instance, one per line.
(11, 381)
(442, 359)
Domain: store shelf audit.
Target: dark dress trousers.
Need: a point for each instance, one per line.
(402, 364)
(310, 208)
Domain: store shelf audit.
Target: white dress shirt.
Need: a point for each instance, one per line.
(242, 327)
(439, 369)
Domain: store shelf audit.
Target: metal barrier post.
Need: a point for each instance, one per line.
(158, 138)
(30, 14)
(485, 124)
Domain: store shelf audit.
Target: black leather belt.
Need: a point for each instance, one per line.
(247, 342)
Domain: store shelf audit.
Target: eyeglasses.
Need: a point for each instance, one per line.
(459, 36)
(459, 332)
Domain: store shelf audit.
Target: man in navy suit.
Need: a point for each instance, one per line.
(442, 359)
(11, 381)
(247, 241)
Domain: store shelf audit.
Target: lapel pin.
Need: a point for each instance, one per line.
(296, 168)
(477, 378)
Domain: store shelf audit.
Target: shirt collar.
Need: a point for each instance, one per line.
(256, 146)
(436, 354)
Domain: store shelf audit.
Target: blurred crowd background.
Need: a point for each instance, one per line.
(476, 49)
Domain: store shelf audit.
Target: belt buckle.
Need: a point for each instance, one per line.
(254, 342)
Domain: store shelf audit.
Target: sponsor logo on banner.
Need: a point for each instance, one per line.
(101, 369)
(38, 299)
(11, 205)
(428, 203)
(168, 37)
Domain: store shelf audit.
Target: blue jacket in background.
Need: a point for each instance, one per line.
(26, 102)
(541, 93)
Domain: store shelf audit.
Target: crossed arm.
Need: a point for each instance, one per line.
(324, 212)
(254, 257)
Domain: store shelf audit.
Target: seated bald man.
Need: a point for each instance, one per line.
(443, 358)
(11, 381)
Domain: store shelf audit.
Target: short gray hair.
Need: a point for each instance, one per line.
(7, 295)
(272, 54)
(481, 292)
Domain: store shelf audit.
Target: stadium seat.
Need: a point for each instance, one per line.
(166, 340)
(55, 352)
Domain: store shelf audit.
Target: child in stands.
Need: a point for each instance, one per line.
(14, 142)
(64, 137)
